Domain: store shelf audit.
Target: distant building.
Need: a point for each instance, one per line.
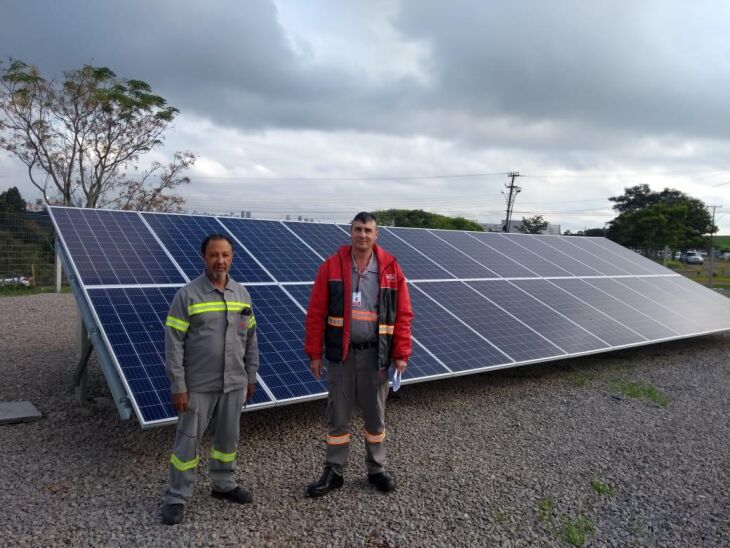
(514, 227)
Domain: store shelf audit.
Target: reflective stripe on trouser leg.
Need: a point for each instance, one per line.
(372, 390)
(341, 381)
(184, 459)
(226, 431)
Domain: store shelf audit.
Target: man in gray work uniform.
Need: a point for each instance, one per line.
(211, 358)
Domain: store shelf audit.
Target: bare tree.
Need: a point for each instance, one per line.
(78, 138)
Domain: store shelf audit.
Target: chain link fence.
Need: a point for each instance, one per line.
(27, 251)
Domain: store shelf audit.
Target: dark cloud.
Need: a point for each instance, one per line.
(537, 74)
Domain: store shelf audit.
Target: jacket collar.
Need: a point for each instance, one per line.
(208, 285)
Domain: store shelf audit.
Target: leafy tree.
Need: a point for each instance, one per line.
(417, 218)
(25, 239)
(652, 220)
(11, 201)
(593, 232)
(533, 225)
(80, 137)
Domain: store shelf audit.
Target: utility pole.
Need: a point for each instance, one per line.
(711, 270)
(511, 196)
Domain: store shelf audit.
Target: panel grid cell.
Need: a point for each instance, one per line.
(182, 236)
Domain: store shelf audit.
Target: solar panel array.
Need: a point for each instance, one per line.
(482, 300)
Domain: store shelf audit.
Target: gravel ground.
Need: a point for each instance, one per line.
(510, 458)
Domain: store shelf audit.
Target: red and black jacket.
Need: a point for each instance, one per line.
(330, 310)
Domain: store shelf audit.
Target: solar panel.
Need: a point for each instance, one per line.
(499, 263)
(277, 248)
(324, 239)
(133, 322)
(182, 235)
(113, 247)
(280, 328)
(510, 335)
(414, 263)
(450, 339)
(507, 245)
(560, 330)
(591, 318)
(451, 259)
(481, 300)
(595, 259)
(540, 246)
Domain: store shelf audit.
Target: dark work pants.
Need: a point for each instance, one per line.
(356, 380)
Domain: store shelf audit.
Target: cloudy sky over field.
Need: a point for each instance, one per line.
(323, 108)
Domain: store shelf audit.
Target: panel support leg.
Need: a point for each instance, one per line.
(81, 374)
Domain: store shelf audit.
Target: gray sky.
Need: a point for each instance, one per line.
(324, 108)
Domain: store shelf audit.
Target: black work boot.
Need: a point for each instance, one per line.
(238, 495)
(329, 480)
(172, 514)
(382, 481)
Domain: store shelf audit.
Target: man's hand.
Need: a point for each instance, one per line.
(250, 391)
(400, 365)
(180, 402)
(315, 366)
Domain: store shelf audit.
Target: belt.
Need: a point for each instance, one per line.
(363, 345)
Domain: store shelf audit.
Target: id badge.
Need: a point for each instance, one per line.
(356, 298)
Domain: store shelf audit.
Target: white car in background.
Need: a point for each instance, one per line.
(693, 258)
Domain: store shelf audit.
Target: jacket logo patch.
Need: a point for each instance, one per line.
(390, 277)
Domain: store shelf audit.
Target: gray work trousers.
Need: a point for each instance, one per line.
(225, 410)
(356, 380)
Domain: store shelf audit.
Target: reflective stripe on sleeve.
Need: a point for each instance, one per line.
(252, 322)
(374, 438)
(223, 457)
(183, 465)
(335, 321)
(177, 323)
(338, 440)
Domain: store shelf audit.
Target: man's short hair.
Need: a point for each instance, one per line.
(210, 237)
(364, 217)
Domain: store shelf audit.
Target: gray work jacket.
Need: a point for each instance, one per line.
(210, 340)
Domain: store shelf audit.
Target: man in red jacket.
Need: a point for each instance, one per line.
(360, 312)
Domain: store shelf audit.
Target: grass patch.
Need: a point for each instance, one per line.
(602, 488)
(500, 516)
(583, 378)
(545, 509)
(577, 530)
(21, 290)
(640, 390)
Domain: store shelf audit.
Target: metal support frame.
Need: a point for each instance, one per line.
(81, 374)
(91, 339)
